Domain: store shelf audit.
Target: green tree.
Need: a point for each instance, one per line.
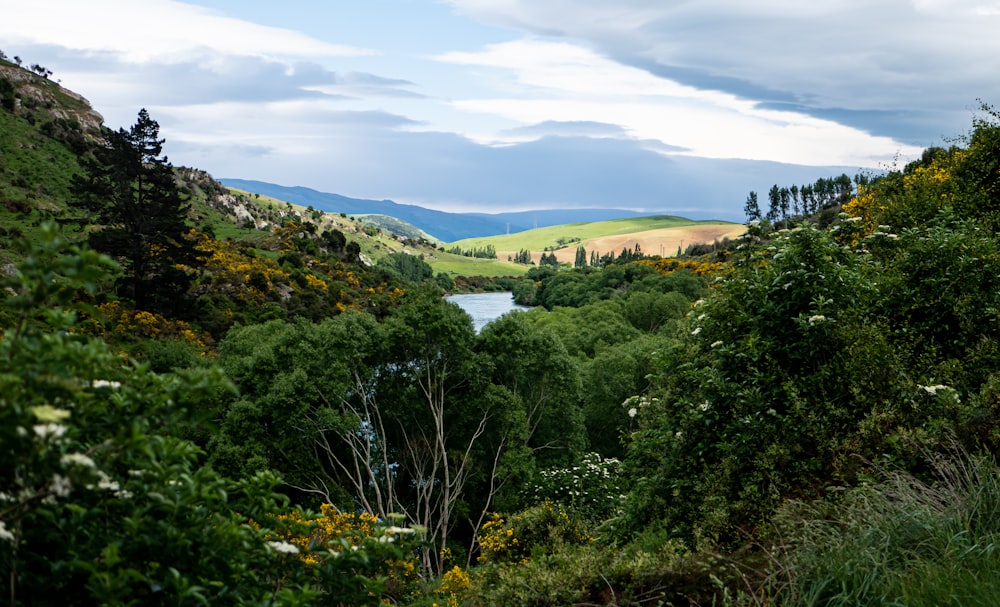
(392, 417)
(533, 364)
(408, 267)
(774, 204)
(129, 191)
(752, 207)
(102, 502)
(581, 258)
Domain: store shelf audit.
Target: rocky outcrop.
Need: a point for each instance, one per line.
(37, 94)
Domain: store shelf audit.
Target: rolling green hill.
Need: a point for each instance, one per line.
(553, 237)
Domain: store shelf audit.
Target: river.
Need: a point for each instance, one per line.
(484, 307)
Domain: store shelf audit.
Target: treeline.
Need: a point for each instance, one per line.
(484, 252)
(42, 71)
(787, 202)
(581, 260)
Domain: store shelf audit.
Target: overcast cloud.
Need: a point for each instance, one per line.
(519, 104)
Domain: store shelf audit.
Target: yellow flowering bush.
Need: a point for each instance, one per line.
(671, 264)
(454, 587)
(115, 321)
(536, 530)
(245, 278)
(911, 196)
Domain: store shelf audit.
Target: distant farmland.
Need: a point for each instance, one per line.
(658, 235)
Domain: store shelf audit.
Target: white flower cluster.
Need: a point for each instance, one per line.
(4, 534)
(106, 483)
(284, 547)
(634, 404)
(816, 318)
(60, 486)
(76, 459)
(933, 390)
(45, 431)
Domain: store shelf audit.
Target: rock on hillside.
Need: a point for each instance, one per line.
(34, 94)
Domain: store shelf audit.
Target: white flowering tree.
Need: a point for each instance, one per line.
(758, 400)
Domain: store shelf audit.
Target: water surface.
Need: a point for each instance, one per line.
(484, 307)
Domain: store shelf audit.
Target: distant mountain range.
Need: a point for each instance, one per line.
(447, 227)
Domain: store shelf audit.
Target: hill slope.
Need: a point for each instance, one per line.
(439, 224)
(654, 235)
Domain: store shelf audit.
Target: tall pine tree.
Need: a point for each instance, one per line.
(137, 214)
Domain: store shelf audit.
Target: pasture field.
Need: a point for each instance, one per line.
(457, 265)
(655, 235)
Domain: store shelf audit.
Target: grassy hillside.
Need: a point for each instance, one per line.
(458, 265)
(656, 235)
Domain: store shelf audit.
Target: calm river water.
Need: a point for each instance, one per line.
(484, 307)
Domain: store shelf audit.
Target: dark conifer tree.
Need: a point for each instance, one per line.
(138, 215)
(752, 207)
(784, 198)
(774, 203)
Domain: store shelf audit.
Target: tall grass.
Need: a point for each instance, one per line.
(902, 541)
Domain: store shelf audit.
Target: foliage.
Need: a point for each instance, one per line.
(455, 586)
(900, 541)
(826, 349)
(579, 287)
(128, 190)
(397, 416)
(535, 367)
(538, 530)
(757, 405)
(574, 573)
(408, 267)
(593, 488)
(101, 501)
(484, 252)
(614, 375)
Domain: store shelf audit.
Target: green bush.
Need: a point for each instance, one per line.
(101, 502)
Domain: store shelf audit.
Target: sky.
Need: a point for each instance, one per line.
(501, 105)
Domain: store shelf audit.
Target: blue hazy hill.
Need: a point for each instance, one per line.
(444, 226)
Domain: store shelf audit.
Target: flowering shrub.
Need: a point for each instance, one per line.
(454, 586)
(114, 321)
(669, 265)
(531, 532)
(592, 489)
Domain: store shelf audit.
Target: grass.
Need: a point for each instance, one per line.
(457, 265)
(33, 168)
(540, 238)
(904, 541)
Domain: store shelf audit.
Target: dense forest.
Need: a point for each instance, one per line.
(205, 399)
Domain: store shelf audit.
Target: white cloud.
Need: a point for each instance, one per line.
(162, 31)
(564, 82)
(884, 66)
